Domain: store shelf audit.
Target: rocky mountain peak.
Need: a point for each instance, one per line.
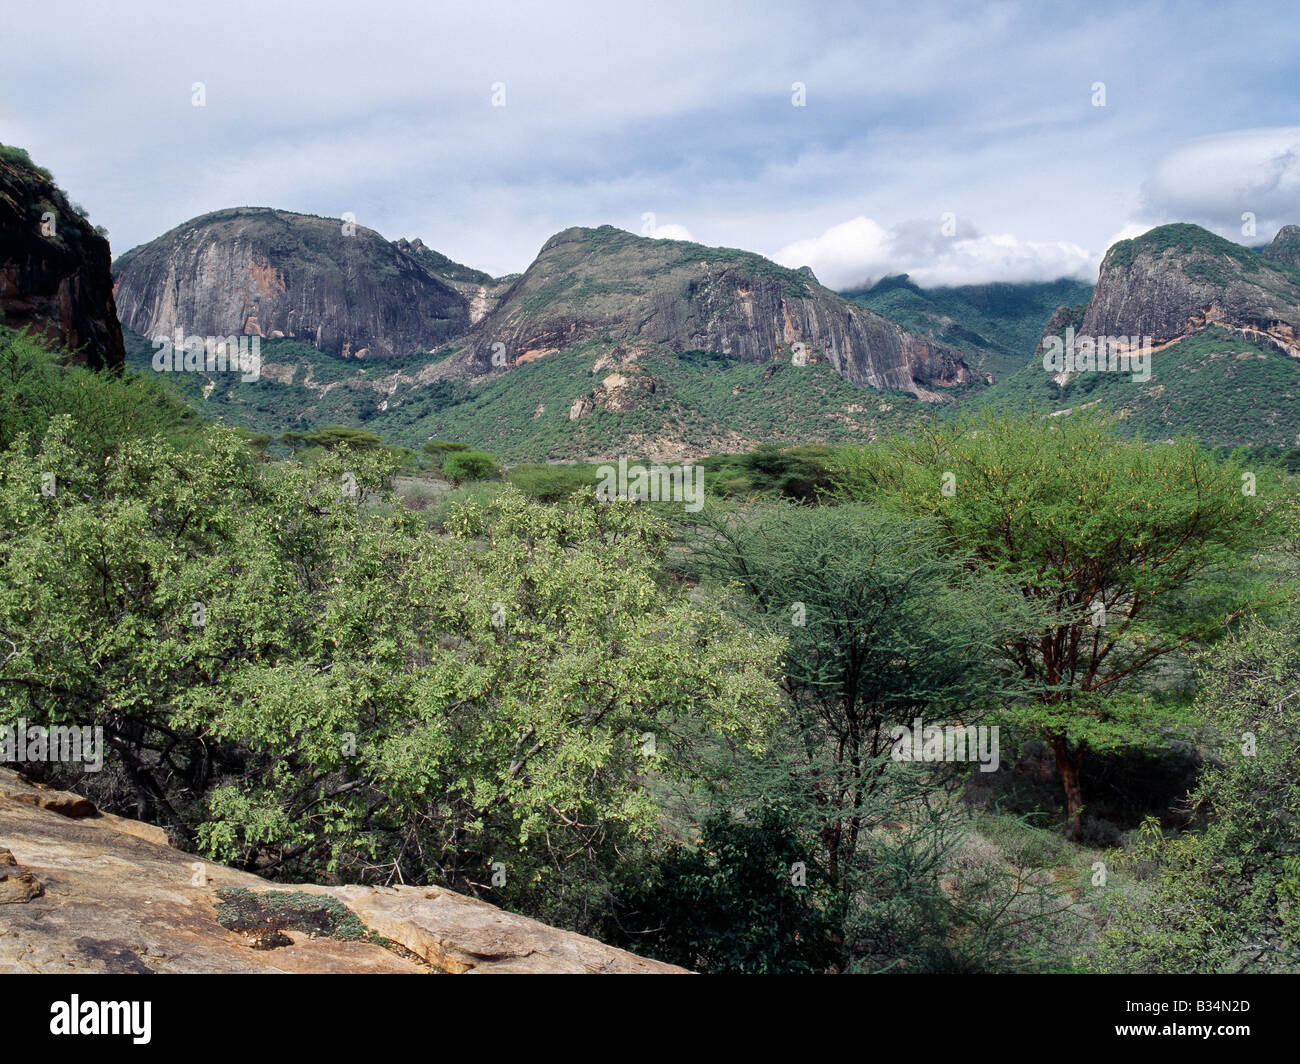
(606, 282)
(1285, 248)
(257, 271)
(1178, 279)
(54, 266)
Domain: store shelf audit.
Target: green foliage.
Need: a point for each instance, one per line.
(337, 437)
(883, 623)
(461, 466)
(995, 326)
(105, 408)
(17, 155)
(298, 389)
(1226, 898)
(708, 402)
(302, 682)
(1222, 388)
(800, 473)
(879, 629)
(731, 905)
(551, 483)
(1081, 520)
(1184, 238)
(240, 909)
(447, 268)
(442, 448)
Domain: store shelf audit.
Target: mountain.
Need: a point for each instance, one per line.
(994, 326)
(482, 290)
(608, 344)
(613, 344)
(250, 270)
(589, 284)
(1285, 248)
(1177, 279)
(54, 266)
(594, 401)
(1223, 324)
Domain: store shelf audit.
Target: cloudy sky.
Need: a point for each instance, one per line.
(960, 143)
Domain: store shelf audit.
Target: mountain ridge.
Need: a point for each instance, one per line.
(586, 283)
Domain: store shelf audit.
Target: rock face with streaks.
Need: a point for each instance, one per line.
(54, 267)
(592, 283)
(256, 271)
(1179, 279)
(81, 891)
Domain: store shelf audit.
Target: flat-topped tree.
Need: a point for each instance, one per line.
(1130, 552)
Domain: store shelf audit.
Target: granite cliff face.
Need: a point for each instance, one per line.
(54, 267)
(256, 271)
(591, 283)
(1179, 279)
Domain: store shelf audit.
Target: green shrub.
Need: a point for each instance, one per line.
(470, 465)
(551, 483)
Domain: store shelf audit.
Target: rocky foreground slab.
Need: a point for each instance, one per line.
(84, 891)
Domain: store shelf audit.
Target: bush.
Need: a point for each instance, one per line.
(439, 449)
(551, 483)
(732, 905)
(470, 465)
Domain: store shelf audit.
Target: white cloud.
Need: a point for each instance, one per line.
(1129, 230)
(668, 232)
(861, 251)
(911, 111)
(1214, 180)
(844, 254)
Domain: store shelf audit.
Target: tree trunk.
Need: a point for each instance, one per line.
(1068, 765)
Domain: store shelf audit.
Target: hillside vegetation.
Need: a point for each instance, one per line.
(680, 729)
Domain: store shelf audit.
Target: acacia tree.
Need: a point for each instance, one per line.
(883, 624)
(1129, 552)
(880, 629)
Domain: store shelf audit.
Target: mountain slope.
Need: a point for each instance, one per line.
(482, 290)
(1218, 385)
(603, 399)
(248, 270)
(588, 284)
(1285, 248)
(595, 401)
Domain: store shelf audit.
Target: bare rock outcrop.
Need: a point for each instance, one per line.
(1285, 248)
(1178, 279)
(255, 271)
(592, 283)
(82, 892)
(54, 268)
